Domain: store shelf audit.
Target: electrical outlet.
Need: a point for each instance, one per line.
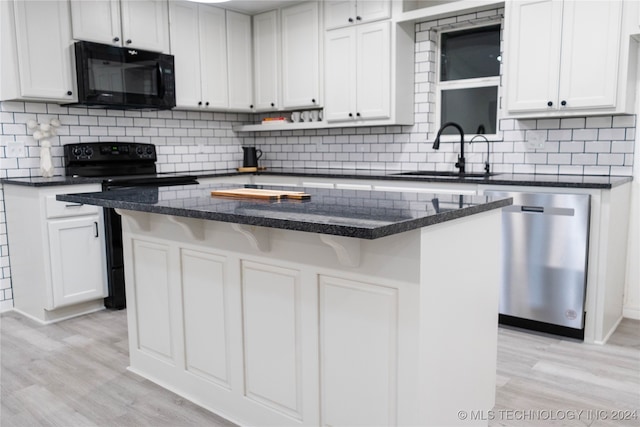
(534, 141)
(16, 149)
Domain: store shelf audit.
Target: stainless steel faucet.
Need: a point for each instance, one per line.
(436, 144)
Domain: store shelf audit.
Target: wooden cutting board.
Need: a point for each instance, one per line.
(255, 193)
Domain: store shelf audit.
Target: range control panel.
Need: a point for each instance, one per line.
(97, 152)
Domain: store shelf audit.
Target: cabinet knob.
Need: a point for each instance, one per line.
(549, 104)
(358, 114)
(199, 102)
(313, 100)
(350, 19)
(273, 104)
(563, 103)
(206, 103)
(116, 39)
(350, 115)
(358, 18)
(251, 106)
(69, 93)
(128, 41)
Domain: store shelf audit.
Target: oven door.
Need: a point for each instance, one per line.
(123, 77)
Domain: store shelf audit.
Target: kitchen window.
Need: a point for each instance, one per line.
(468, 79)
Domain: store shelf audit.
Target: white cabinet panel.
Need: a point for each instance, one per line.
(96, 21)
(186, 50)
(266, 54)
(43, 36)
(358, 352)
(546, 74)
(145, 24)
(300, 55)
(342, 13)
(77, 273)
(213, 51)
(239, 59)
(271, 320)
(152, 300)
(205, 313)
(340, 75)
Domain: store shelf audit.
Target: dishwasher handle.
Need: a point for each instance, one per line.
(539, 210)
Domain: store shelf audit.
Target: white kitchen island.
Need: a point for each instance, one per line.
(353, 308)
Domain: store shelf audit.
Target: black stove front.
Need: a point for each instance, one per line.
(121, 164)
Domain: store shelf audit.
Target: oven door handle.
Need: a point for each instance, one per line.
(95, 224)
(161, 87)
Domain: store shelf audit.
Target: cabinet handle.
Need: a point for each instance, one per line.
(206, 103)
(273, 104)
(73, 205)
(251, 106)
(350, 115)
(358, 114)
(549, 104)
(199, 102)
(351, 20)
(95, 224)
(128, 41)
(313, 100)
(359, 18)
(563, 103)
(69, 93)
(116, 39)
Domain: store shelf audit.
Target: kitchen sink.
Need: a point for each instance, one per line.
(447, 174)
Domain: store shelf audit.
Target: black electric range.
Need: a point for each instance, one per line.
(121, 164)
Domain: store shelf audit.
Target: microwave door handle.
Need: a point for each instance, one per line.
(160, 80)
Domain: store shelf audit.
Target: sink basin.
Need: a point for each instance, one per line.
(447, 174)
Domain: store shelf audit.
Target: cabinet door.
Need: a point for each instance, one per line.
(340, 75)
(372, 10)
(185, 48)
(374, 71)
(96, 21)
(145, 25)
(339, 13)
(267, 57)
(300, 56)
(590, 54)
(213, 57)
(532, 54)
(77, 261)
(239, 61)
(43, 35)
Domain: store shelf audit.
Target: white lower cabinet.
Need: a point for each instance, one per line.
(58, 264)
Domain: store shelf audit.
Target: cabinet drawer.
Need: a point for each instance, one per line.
(57, 209)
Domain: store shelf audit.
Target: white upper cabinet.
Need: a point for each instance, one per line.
(142, 24)
(358, 73)
(287, 58)
(266, 61)
(198, 40)
(239, 57)
(565, 57)
(342, 13)
(41, 43)
(300, 55)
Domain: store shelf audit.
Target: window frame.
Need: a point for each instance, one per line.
(492, 81)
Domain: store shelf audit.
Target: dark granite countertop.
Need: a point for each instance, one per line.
(531, 180)
(351, 213)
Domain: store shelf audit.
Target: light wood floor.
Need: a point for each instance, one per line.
(74, 374)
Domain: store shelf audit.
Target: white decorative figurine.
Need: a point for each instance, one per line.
(41, 133)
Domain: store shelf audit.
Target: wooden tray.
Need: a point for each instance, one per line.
(252, 169)
(255, 193)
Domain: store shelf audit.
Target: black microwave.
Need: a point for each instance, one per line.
(124, 78)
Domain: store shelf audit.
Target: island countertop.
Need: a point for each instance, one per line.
(350, 213)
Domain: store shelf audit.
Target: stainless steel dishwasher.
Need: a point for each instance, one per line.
(545, 240)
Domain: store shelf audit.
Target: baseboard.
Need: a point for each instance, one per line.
(631, 313)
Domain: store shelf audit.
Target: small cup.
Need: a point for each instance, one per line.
(315, 115)
(295, 116)
(306, 116)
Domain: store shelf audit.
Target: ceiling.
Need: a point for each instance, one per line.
(255, 6)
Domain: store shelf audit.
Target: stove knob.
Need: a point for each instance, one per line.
(139, 151)
(77, 151)
(149, 150)
(88, 151)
